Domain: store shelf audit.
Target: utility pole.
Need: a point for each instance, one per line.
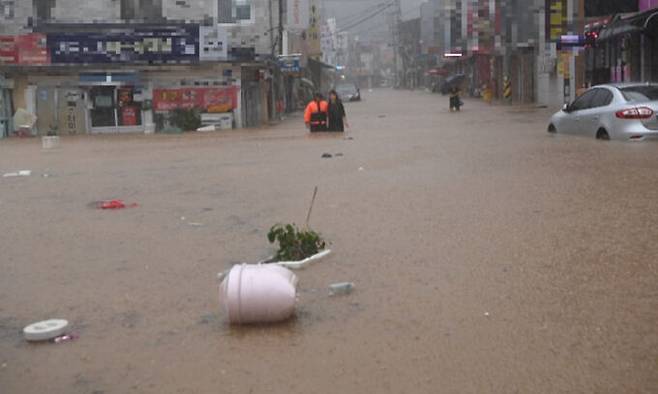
(273, 64)
(397, 20)
(280, 44)
(271, 30)
(281, 16)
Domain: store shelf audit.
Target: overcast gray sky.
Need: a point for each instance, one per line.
(410, 8)
(347, 12)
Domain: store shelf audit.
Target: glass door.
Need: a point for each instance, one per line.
(130, 112)
(103, 112)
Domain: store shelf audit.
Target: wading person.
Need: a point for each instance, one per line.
(337, 117)
(316, 114)
(455, 100)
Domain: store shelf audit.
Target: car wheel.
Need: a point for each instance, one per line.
(552, 129)
(602, 134)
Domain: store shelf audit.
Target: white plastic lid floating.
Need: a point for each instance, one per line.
(45, 330)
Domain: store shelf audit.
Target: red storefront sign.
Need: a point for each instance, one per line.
(129, 116)
(27, 49)
(207, 99)
(32, 49)
(8, 50)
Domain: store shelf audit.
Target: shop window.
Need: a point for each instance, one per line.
(242, 10)
(225, 11)
(114, 106)
(102, 113)
(43, 9)
(129, 112)
(7, 9)
(232, 11)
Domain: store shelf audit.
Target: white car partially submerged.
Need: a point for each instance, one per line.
(626, 111)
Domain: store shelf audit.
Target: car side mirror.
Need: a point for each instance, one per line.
(566, 108)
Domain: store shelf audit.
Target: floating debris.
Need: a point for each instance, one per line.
(66, 338)
(114, 204)
(46, 330)
(17, 174)
(343, 288)
(297, 265)
(258, 294)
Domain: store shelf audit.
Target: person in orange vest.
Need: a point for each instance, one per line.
(316, 114)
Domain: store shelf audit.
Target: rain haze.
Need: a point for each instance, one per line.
(328, 196)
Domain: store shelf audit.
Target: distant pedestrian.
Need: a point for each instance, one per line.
(455, 100)
(316, 114)
(337, 116)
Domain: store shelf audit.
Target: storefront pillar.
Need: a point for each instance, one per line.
(5, 108)
(147, 112)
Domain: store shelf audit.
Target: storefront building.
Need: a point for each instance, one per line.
(111, 79)
(624, 47)
(141, 100)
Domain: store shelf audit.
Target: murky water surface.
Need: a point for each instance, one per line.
(488, 257)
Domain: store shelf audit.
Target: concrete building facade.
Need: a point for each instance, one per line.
(132, 65)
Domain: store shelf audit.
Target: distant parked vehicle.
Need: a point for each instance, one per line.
(348, 92)
(625, 111)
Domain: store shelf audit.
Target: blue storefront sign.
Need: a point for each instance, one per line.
(290, 63)
(164, 45)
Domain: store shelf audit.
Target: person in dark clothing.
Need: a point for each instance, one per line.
(455, 100)
(337, 117)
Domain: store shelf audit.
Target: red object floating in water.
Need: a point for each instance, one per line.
(114, 204)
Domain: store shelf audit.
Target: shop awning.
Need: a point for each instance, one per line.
(617, 30)
(639, 22)
(308, 82)
(322, 64)
(650, 23)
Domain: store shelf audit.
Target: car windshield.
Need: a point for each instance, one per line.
(640, 93)
(343, 89)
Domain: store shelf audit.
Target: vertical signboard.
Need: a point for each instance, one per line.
(556, 19)
(298, 14)
(313, 33)
(213, 43)
(8, 50)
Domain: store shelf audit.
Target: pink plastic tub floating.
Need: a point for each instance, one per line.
(258, 294)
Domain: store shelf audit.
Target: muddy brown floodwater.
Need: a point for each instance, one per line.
(488, 257)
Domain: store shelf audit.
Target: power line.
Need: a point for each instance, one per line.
(367, 18)
(366, 15)
(366, 11)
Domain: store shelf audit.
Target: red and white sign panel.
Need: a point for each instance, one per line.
(27, 49)
(207, 99)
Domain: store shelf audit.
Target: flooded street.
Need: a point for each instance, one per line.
(488, 257)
